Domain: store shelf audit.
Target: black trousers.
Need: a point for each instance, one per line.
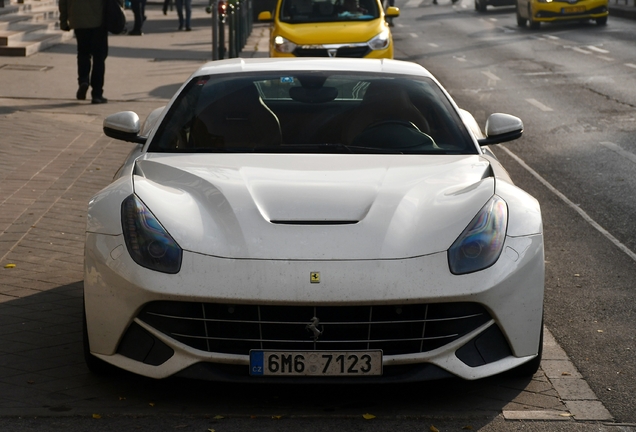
(139, 10)
(92, 50)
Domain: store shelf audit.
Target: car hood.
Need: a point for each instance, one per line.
(330, 32)
(313, 207)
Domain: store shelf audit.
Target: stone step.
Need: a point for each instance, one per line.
(33, 45)
(29, 26)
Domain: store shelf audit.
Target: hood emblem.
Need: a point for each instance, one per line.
(314, 277)
(313, 328)
(332, 52)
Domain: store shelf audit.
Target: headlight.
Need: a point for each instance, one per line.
(148, 243)
(380, 41)
(283, 45)
(480, 245)
(544, 1)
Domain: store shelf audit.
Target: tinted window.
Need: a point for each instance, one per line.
(313, 113)
(302, 11)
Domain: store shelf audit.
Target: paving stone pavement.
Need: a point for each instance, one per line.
(54, 157)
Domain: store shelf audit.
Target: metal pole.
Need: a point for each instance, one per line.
(214, 9)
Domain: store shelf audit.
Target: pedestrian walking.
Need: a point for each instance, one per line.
(167, 4)
(181, 4)
(86, 19)
(139, 11)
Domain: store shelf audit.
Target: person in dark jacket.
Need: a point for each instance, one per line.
(86, 18)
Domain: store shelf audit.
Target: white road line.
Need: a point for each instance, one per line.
(631, 65)
(552, 37)
(581, 50)
(491, 75)
(538, 73)
(576, 208)
(414, 35)
(434, 45)
(492, 19)
(609, 59)
(619, 150)
(539, 105)
(597, 49)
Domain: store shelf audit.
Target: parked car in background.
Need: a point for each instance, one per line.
(481, 5)
(535, 12)
(330, 28)
(313, 220)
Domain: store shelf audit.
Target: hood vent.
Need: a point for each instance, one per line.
(314, 222)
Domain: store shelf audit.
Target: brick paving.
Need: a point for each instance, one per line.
(53, 158)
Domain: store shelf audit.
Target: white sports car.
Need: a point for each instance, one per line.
(313, 220)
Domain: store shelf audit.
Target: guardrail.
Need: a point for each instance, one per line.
(231, 25)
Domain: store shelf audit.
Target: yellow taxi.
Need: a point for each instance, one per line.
(330, 28)
(537, 11)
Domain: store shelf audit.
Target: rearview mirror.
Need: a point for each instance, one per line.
(123, 126)
(502, 128)
(265, 16)
(392, 12)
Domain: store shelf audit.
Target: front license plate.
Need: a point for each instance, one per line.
(316, 363)
(573, 10)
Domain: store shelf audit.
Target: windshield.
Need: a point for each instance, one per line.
(306, 11)
(312, 112)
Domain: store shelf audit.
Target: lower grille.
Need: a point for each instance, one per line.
(236, 329)
(350, 52)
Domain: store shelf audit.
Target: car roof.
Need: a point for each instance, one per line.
(238, 65)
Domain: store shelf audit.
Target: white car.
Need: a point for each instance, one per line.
(313, 220)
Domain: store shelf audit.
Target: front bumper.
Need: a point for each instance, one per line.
(564, 11)
(116, 291)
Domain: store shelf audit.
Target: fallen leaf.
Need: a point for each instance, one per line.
(218, 417)
(576, 275)
(210, 430)
(368, 416)
(566, 373)
(433, 429)
(600, 331)
(151, 403)
(122, 397)
(277, 417)
(9, 266)
(565, 415)
(97, 416)
(252, 416)
(467, 427)
(30, 382)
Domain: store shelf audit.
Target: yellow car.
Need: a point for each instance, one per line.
(537, 11)
(330, 28)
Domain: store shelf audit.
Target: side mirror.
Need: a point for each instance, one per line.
(392, 12)
(124, 126)
(265, 16)
(501, 128)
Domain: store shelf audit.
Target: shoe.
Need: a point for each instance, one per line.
(188, 29)
(99, 100)
(81, 91)
(135, 33)
(165, 10)
(180, 27)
